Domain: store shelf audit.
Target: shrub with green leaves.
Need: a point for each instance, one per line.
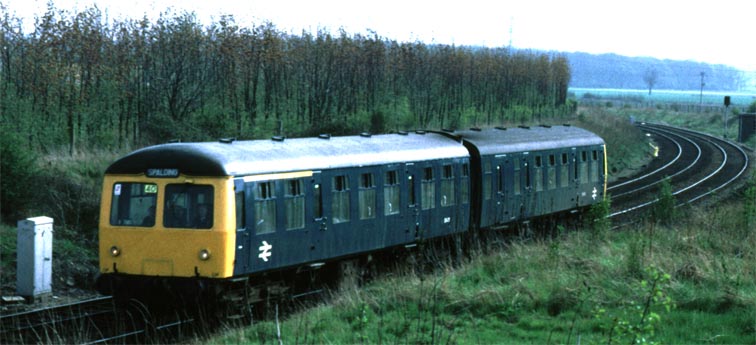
(663, 211)
(18, 171)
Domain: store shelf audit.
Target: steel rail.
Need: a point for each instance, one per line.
(710, 139)
(679, 172)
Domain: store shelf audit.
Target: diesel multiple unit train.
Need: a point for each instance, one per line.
(207, 214)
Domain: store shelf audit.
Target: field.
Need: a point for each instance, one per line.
(738, 99)
(690, 280)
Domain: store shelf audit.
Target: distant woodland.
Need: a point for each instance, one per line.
(622, 72)
(79, 81)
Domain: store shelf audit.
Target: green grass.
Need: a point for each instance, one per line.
(567, 290)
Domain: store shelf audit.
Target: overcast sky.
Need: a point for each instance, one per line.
(718, 32)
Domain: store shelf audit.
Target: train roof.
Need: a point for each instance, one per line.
(524, 139)
(239, 158)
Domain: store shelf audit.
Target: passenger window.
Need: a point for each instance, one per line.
(516, 177)
(447, 186)
(428, 190)
(583, 167)
(265, 207)
(294, 200)
(340, 200)
(464, 187)
(391, 193)
(564, 172)
(487, 181)
(595, 170)
(367, 196)
(188, 206)
(133, 204)
(551, 172)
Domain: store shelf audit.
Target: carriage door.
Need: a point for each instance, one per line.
(243, 232)
(317, 226)
(527, 185)
(413, 202)
(500, 197)
(448, 211)
(514, 189)
(428, 220)
(396, 215)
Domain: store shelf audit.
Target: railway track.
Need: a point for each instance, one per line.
(92, 321)
(697, 165)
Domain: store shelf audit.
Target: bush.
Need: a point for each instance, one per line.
(598, 217)
(752, 107)
(18, 172)
(664, 211)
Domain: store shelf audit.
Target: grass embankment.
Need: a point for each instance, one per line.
(692, 280)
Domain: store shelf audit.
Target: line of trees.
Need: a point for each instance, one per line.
(79, 80)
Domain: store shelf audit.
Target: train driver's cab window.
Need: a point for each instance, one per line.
(391, 193)
(133, 204)
(340, 199)
(188, 206)
(265, 207)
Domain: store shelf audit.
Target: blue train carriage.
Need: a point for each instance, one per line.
(527, 172)
(234, 208)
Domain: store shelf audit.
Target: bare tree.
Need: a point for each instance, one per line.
(650, 77)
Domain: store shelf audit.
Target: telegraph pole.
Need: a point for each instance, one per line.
(700, 101)
(727, 105)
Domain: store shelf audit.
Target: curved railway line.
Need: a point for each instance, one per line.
(698, 165)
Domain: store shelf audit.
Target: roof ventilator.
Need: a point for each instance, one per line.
(365, 135)
(325, 136)
(524, 127)
(501, 128)
(227, 140)
(278, 138)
